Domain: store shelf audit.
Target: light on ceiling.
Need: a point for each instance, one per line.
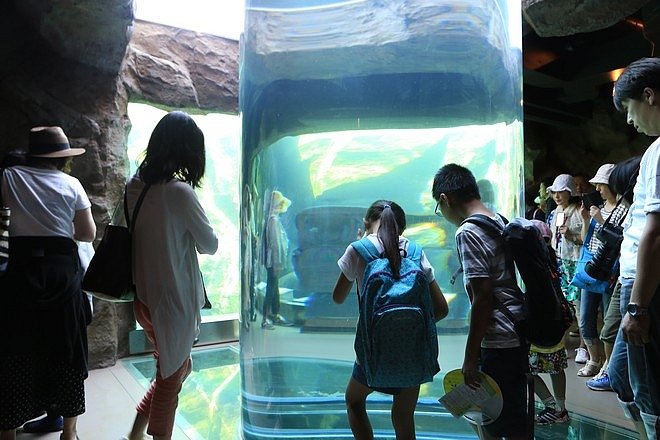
(615, 74)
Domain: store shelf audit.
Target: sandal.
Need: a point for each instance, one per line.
(590, 369)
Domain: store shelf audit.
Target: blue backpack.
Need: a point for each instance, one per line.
(396, 340)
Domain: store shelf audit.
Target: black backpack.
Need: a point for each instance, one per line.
(547, 313)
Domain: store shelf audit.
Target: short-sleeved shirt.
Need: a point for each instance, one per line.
(483, 256)
(43, 202)
(646, 199)
(352, 265)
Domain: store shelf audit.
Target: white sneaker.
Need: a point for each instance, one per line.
(581, 355)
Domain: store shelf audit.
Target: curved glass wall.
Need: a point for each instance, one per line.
(344, 103)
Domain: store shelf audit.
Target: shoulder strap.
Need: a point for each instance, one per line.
(487, 224)
(493, 230)
(131, 224)
(2, 176)
(366, 249)
(414, 251)
(590, 232)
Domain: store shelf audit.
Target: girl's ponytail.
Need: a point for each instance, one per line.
(392, 224)
(388, 233)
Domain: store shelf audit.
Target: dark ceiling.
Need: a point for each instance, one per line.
(564, 77)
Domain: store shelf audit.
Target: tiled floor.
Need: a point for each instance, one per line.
(113, 392)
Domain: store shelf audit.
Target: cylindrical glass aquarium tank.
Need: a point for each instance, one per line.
(344, 103)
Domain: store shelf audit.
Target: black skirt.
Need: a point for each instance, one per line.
(43, 329)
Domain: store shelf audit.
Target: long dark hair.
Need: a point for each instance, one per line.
(175, 150)
(622, 180)
(392, 224)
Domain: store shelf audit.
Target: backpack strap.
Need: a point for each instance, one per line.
(414, 252)
(366, 249)
(494, 230)
(2, 174)
(487, 224)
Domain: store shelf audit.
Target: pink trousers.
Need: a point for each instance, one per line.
(160, 402)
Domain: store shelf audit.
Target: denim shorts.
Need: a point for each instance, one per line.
(360, 376)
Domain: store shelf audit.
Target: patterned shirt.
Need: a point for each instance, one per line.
(567, 249)
(482, 256)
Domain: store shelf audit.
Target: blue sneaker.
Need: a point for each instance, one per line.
(600, 382)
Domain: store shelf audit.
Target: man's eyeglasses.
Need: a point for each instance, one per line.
(437, 209)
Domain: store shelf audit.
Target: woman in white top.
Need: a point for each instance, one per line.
(566, 227)
(43, 311)
(170, 229)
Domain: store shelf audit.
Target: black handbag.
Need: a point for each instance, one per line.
(110, 272)
(4, 231)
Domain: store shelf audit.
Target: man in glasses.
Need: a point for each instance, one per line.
(493, 346)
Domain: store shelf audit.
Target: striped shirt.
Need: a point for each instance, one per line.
(615, 219)
(482, 256)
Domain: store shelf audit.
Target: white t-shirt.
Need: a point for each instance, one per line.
(352, 265)
(43, 202)
(646, 199)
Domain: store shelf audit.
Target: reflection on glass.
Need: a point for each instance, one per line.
(209, 402)
(344, 103)
(218, 194)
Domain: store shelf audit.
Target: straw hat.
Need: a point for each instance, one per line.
(564, 182)
(50, 142)
(603, 174)
(279, 202)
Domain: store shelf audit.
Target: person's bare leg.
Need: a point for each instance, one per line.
(559, 385)
(69, 430)
(139, 427)
(356, 407)
(541, 389)
(403, 413)
(607, 349)
(595, 350)
(8, 435)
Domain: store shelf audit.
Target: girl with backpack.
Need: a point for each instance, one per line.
(384, 224)
(552, 361)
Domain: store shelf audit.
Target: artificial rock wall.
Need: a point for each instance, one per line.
(77, 64)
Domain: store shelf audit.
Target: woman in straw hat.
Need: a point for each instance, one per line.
(44, 313)
(172, 227)
(275, 251)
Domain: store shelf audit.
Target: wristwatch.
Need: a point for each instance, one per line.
(637, 310)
